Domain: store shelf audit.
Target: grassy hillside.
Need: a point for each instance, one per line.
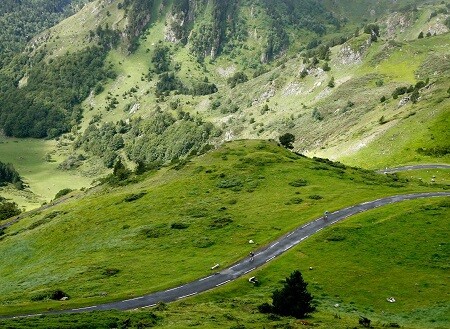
(186, 218)
(290, 93)
(356, 266)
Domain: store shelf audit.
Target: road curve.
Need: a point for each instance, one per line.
(245, 266)
(385, 171)
(413, 167)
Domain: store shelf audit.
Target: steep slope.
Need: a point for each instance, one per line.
(171, 79)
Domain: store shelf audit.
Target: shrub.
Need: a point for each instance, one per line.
(265, 308)
(294, 201)
(179, 226)
(331, 83)
(365, 322)
(299, 182)
(62, 192)
(203, 242)
(230, 183)
(8, 209)
(315, 197)
(110, 271)
(52, 294)
(317, 115)
(220, 222)
(237, 78)
(133, 197)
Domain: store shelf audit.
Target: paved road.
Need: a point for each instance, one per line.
(245, 266)
(414, 167)
(64, 198)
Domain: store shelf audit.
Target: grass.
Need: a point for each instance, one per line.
(240, 192)
(43, 177)
(356, 266)
(351, 134)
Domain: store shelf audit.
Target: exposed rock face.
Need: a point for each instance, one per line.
(397, 22)
(175, 27)
(349, 55)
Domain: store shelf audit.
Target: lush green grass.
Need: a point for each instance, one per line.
(356, 266)
(37, 162)
(242, 191)
(353, 135)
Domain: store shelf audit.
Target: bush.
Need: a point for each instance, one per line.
(299, 182)
(317, 115)
(63, 192)
(237, 78)
(230, 183)
(110, 271)
(220, 222)
(134, 196)
(53, 294)
(315, 197)
(179, 226)
(8, 209)
(265, 308)
(294, 201)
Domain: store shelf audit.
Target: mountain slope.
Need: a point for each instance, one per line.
(183, 217)
(156, 94)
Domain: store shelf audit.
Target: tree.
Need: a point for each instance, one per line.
(415, 96)
(331, 83)
(293, 299)
(420, 35)
(120, 171)
(286, 140)
(8, 209)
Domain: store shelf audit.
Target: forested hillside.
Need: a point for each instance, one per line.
(154, 81)
(21, 20)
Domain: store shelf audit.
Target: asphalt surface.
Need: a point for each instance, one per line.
(64, 198)
(276, 248)
(414, 167)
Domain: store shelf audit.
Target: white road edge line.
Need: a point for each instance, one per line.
(148, 306)
(219, 284)
(194, 293)
(128, 300)
(249, 270)
(83, 308)
(211, 275)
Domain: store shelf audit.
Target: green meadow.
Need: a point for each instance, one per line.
(37, 163)
(356, 266)
(171, 226)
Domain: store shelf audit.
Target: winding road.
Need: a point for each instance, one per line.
(245, 266)
(414, 167)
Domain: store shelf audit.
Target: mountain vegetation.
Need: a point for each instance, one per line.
(148, 131)
(10, 175)
(22, 20)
